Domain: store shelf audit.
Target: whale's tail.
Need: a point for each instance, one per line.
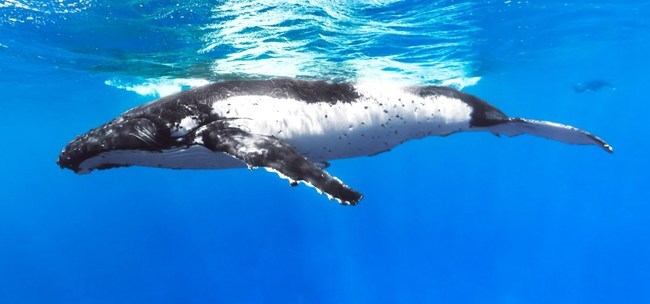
(486, 117)
(515, 126)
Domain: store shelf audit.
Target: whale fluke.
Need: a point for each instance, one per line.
(551, 130)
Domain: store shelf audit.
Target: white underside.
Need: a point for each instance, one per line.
(194, 157)
(382, 118)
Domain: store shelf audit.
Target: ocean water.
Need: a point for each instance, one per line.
(469, 218)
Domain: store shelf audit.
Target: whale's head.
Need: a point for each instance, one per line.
(84, 153)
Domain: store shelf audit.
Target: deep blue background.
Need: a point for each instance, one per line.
(469, 218)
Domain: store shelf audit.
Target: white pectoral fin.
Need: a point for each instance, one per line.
(277, 156)
(550, 130)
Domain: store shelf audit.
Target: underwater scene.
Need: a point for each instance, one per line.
(274, 117)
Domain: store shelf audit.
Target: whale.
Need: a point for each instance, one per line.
(592, 86)
(293, 127)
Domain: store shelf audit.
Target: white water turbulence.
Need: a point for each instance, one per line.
(39, 12)
(343, 40)
(156, 87)
(157, 48)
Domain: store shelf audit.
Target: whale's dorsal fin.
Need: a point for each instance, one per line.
(278, 156)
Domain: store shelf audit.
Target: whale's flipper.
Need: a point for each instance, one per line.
(550, 130)
(276, 155)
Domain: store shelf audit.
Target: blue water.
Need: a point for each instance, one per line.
(468, 218)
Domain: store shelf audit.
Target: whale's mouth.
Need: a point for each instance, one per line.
(192, 157)
(74, 158)
(119, 134)
(81, 149)
(76, 152)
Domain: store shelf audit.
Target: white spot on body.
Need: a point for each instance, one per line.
(186, 125)
(248, 145)
(380, 119)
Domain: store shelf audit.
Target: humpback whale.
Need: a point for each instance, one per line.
(592, 86)
(292, 127)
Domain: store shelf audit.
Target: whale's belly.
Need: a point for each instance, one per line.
(325, 131)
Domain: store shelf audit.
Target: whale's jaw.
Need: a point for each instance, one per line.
(192, 157)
